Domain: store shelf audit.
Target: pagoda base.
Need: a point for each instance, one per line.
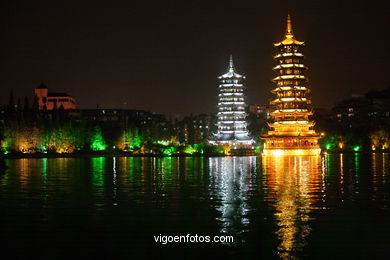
(291, 151)
(291, 145)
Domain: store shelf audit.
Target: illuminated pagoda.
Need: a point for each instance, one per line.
(232, 124)
(291, 132)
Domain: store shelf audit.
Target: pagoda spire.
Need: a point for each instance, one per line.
(289, 37)
(231, 65)
(231, 71)
(289, 30)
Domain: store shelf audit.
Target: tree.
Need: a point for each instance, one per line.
(97, 142)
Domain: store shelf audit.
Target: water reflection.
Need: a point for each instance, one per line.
(296, 203)
(293, 184)
(98, 183)
(380, 179)
(230, 181)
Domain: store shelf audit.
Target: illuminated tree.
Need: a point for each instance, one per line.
(380, 139)
(96, 140)
(329, 142)
(130, 139)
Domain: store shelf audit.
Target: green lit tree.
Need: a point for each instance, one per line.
(97, 142)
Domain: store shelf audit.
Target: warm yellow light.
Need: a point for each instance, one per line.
(298, 152)
(277, 152)
(226, 149)
(287, 152)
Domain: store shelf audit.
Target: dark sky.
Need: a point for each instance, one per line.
(165, 57)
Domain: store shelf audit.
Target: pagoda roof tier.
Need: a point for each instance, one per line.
(235, 109)
(238, 94)
(289, 38)
(294, 114)
(288, 55)
(297, 115)
(231, 122)
(292, 122)
(236, 132)
(289, 41)
(291, 99)
(286, 66)
(314, 136)
(231, 73)
(300, 101)
(229, 140)
(239, 86)
(295, 111)
(231, 112)
(300, 88)
(278, 90)
(306, 112)
(289, 77)
(231, 98)
(226, 88)
(231, 103)
(311, 134)
(236, 120)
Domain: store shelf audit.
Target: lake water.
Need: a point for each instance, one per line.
(335, 205)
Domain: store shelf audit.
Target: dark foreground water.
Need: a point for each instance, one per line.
(334, 206)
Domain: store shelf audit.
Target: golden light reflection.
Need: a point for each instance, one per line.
(281, 152)
(342, 176)
(380, 169)
(293, 185)
(25, 171)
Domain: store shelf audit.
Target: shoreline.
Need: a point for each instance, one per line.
(121, 154)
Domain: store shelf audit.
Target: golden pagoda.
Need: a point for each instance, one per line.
(291, 131)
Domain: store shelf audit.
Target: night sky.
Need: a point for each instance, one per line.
(166, 57)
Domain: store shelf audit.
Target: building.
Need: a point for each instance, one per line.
(49, 100)
(151, 124)
(291, 132)
(367, 111)
(261, 110)
(194, 129)
(231, 117)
